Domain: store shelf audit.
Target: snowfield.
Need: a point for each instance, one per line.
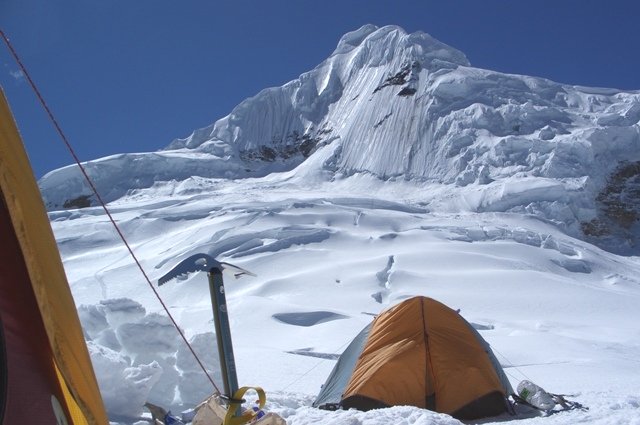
(556, 310)
(392, 169)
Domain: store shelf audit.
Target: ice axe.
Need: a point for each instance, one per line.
(214, 269)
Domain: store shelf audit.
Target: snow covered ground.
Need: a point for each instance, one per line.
(556, 310)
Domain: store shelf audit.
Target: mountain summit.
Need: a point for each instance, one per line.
(373, 74)
(408, 109)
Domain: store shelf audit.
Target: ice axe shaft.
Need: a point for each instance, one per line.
(223, 332)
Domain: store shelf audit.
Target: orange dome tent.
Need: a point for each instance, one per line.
(419, 353)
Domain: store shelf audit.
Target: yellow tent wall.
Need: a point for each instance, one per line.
(70, 374)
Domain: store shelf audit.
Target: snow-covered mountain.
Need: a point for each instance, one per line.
(394, 168)
(400, 106)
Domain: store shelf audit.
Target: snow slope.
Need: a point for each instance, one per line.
(392, 169)
(556, 310)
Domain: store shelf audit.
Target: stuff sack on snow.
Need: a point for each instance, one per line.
(535, 396)
(213, 412)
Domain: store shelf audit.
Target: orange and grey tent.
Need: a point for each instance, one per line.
(419, 353)
(45, 370)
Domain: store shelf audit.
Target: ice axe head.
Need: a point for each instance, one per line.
(200, 263)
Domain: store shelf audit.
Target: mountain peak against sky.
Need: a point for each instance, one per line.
(353, 39)
(393, 39)
(398, 107)
(369, 47)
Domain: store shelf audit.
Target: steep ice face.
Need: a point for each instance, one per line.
(293, 118)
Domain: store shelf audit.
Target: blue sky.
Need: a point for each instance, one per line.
(132, 75)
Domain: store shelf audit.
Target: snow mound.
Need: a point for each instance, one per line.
(124, 388)
(140, 357)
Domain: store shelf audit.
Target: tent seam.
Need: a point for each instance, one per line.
(428, 361)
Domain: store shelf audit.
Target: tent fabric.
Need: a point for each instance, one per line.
(38, 315)
(331, 392)
(420, 353)
(31, 379)
(494, 361)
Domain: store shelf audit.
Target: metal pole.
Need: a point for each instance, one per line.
(223, 334)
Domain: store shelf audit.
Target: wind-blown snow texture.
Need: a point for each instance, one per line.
(392, 169)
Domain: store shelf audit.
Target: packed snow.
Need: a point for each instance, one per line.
(471, 188)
